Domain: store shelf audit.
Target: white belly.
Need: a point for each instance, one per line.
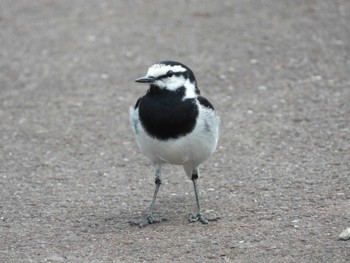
(195, 147)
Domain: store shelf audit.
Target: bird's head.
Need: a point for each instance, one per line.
(171, 76)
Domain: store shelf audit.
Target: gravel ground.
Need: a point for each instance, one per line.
(71, 175)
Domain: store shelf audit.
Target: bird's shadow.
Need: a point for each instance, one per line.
(173, 208)
(168, 207)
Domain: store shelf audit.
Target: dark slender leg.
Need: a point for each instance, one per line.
(150, 219)
(158, 182)
(199, 217)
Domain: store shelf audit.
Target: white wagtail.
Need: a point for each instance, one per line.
(174, 124)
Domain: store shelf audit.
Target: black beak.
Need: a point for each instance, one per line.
(145, 79)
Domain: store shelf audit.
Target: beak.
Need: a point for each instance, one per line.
(145, 79)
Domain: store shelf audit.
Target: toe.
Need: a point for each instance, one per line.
(199, 217)
(147, 221)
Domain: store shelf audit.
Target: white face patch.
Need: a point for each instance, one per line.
(174, 82)
(190, 90)
(171, 83)
(160, 69)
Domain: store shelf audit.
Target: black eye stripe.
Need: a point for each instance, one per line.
(177, 74)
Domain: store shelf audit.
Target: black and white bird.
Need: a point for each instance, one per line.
(174, 124)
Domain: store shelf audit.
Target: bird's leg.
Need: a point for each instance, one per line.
(199, 216)
(150, 219)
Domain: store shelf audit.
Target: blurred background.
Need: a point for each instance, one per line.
(71, 175)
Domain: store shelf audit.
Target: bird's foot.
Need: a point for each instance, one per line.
(201, 218)
(147, 221)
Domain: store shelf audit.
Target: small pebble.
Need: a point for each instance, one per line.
(345, 235)
(222, 76)
(104, 76)
(92, 38)
(262, 87)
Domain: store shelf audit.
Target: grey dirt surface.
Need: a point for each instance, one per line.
(71, 176)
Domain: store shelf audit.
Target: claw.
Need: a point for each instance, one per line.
(201, 218)
(147, 221)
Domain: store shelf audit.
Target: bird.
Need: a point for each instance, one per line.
(174, 124)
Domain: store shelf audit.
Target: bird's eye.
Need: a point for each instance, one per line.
(170, 73)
